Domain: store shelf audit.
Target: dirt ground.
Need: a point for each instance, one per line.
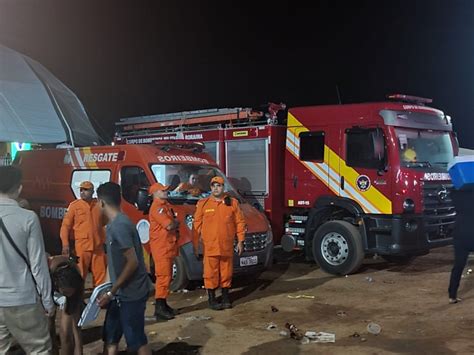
(408, 302)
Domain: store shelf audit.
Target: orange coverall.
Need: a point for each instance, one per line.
(163, 242)
(85, 220)
(186, 186)
(217, 224)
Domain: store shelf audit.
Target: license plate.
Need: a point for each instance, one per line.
(249, 260)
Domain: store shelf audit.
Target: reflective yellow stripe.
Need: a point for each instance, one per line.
(372, 200)
(378, 199)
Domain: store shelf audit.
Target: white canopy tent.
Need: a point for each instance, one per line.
(36, 107)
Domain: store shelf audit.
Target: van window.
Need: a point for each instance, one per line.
(132, 178)
(189, 182)
(97, 177)
(312, 146)
(211, 149)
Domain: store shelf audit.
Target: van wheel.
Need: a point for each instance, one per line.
(337, 248)
(180, 278)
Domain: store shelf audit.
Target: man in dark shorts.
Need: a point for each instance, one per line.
(126, 301)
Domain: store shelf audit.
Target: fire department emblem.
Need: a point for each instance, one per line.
(363, 183)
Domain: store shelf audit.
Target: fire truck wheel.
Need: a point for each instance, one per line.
(180, 278)
(337, 248)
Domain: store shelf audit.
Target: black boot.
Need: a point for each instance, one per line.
(169, 309)
(226, 304)
(213, 304)
(161, 313)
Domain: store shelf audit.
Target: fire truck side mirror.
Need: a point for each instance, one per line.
(143, 200)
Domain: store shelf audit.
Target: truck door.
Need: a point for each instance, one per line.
(307, 176)
(363, 174)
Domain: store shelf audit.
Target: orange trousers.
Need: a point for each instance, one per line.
(96, 261)
(218, 271)
(163, 273)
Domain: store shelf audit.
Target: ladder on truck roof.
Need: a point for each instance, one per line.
(188, 118)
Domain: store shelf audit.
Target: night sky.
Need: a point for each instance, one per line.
(145, 57)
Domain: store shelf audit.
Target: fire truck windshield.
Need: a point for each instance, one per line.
(189, 182)
(422, 148)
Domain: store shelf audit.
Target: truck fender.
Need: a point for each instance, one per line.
(342, 202)
(322, 210)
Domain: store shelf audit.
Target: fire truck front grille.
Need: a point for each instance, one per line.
(254, 242)
(438, 211)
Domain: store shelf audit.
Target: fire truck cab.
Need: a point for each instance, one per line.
(339, 181)
(51, 179)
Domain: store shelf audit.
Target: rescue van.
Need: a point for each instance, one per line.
(340, 182)
(51, 179)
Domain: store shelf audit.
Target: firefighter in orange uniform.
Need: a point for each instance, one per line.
(217, 221)
(163, 243)
(84, 218)
(190, 186)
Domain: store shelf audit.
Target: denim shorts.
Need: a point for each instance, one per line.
(126, 318)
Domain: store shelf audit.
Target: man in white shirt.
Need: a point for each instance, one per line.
(25, 293)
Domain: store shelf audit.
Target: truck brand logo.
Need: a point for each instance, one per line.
(100, 157)
(52, 212)
(240, 134)
(178, 158)
(442, 193)
(363, 182)
(436, 176)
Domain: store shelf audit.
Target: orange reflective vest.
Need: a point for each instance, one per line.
(85, 219)
(163, 242)
(217, 225)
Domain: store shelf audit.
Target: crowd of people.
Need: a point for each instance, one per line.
(106, 243)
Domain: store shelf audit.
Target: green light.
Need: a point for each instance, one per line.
(15, 147)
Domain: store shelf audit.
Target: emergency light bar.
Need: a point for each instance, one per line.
(409, 98)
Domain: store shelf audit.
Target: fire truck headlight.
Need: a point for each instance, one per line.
(189, 221)
(408, 205)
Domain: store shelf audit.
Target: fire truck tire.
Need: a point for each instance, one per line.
(337, 248)
(180, 278)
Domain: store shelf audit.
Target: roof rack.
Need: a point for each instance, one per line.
(198, 117)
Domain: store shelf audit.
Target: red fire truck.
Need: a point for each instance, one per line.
(339, 181)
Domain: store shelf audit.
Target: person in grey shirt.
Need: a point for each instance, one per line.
(25, 294)
(126, 301)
